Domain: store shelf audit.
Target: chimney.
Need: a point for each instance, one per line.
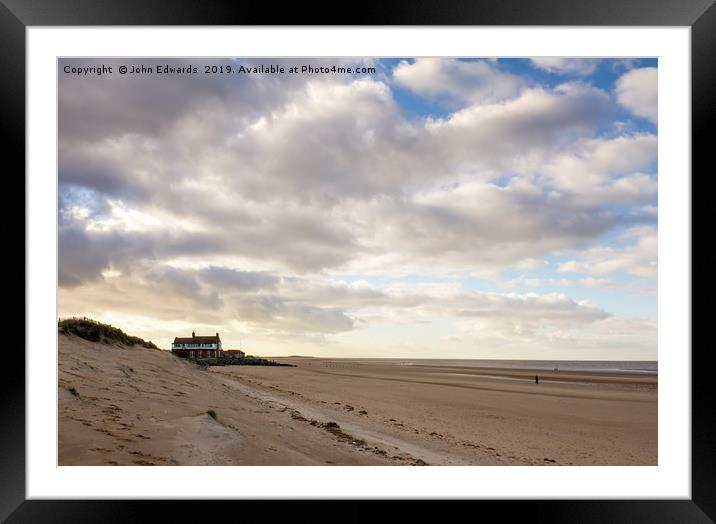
(217, 335)
(193, 334)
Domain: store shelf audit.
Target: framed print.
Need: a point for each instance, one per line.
(439, 253)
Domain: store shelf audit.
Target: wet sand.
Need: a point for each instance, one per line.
(134, 406)
(472, 415)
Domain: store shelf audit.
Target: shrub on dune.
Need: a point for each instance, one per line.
(94, 331)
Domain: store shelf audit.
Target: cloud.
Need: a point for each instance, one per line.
(243, 202)
(474, 81)
(638, 258)
(637, 91)
(270, 304)
(552, 308)
(303, 185)
(151, 105)
(332, 140)
(527, 282)
(476, 225)
(516, 134)
(600, 171)
(231, 279)
(567, 66)
(79, 261)
(279, 316)
(168, 281)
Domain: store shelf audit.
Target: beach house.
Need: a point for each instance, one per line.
(200, 347)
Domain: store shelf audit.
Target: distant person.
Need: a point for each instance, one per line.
(536, 379)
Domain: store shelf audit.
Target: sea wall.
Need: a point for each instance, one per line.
(234, 361)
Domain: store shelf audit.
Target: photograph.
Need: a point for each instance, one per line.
(357, 261)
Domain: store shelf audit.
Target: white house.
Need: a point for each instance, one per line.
(201, 346)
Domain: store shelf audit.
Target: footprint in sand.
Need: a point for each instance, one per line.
(153, 458)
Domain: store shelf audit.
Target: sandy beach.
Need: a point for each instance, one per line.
(129, 406)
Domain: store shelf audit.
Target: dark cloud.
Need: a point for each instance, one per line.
(233, 280)
(92, 107)
(80, 260)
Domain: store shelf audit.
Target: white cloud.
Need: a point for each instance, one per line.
(567, 66)
(638, 258)
(637, 91)
(523, 282)
(476, 81)
(601, 171)
(519, 133)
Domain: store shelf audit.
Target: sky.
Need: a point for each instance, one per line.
(424, 208)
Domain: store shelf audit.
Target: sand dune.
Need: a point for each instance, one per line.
(136, 406)
(130, 406)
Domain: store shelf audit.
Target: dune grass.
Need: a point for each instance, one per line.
(94, 331)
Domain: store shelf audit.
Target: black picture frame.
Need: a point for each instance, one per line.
(17, 15)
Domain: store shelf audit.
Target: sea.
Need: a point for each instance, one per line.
(628, 367)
